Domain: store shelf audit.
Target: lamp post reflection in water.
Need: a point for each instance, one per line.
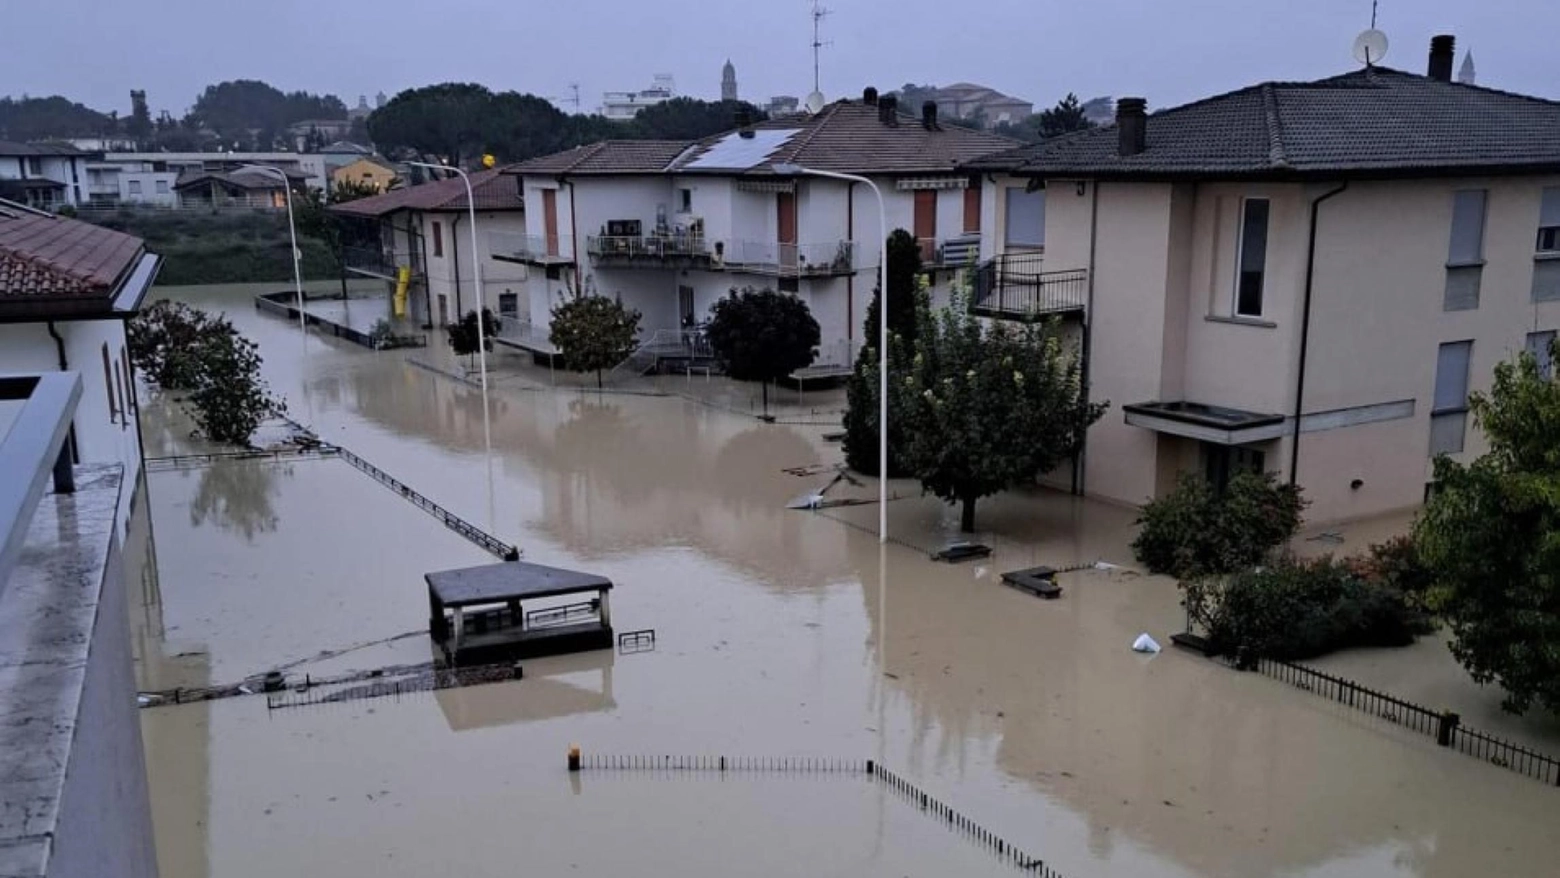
(476, 279)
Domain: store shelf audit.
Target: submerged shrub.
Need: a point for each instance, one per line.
(1197, 531)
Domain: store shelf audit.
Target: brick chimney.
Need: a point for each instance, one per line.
(929, 116)
(1131, 126)
(869, 96)
(1443, 48)
(888, 110)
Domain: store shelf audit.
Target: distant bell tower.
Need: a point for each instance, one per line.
(1465, 74)
(728, 82)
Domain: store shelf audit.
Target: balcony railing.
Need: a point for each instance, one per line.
(532, 249)
(678, 249)
(379, 261)
(1014, 286)
(823, 259)
(956, 252)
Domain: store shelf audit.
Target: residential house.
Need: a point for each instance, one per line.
(241, 188)
(426, 230)
(1301, 277)
(967, 100)
(42, 175)
(311, 165)
(66, 290)
(343, 152)
(670, 227)
(378, 176)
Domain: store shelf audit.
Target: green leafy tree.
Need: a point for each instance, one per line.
(593, 333)
(989, 408)
(1490, 535)
(27, 119)
(184, 349)
(1064, 118)
(861, 390)
(464, 337)
(250, 111)
(1197, 531)
(762, 335)
(690, 118)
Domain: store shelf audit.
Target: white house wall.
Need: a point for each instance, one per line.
(498, 277)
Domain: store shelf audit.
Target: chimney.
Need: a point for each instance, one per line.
(1131, 126)
(869, 96)
(744, 123)
(929, 116)
(888, 110)
(1443, 48)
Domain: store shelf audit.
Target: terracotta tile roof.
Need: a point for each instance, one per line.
(846, 136)
(607, 157)
(1369, 122)
(492, 189)
(55, 256)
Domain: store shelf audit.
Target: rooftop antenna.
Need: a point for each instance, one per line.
(1371, 45)
(815, 100)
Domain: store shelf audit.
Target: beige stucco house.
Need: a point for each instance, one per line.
(1300, 277)
(364, 172)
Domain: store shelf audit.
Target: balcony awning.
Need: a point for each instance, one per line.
(932, 183)
(1208, 423)
(766, 186)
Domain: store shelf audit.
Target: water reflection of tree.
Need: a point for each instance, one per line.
(237, 495)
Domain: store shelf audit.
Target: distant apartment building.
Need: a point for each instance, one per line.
(622, 105)
(421, 235)
(1307, 278)
(669, 227)
(153, 178)
(43, 175)
(376, 175)
(782, 105)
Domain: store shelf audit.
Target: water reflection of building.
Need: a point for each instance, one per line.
(549, 691)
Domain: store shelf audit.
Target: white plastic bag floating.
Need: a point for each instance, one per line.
(1144, 643)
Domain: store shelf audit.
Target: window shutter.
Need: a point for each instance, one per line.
(1549, 211)
(1546, 280)
(1451, 376)
(1467, 244)
(1538, 346)
(1025, 218)
(1462, 288)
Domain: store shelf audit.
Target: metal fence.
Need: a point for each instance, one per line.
(1014, 285)
(1444, 725)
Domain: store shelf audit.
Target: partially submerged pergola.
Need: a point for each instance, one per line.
(479, 611)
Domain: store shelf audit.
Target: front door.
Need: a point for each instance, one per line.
(1222, 462)
(550, 217)
(785, 223)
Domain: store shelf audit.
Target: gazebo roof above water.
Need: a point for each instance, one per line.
(509, 581)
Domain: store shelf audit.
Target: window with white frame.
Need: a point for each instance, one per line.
(685, 200)
(1251, 257)
(1449, 411)
(1538, 344)
(1465, 251)
(1024, 220)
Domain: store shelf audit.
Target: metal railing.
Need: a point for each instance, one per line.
(379, 261)
(1445, 726)
(821, 259)
(532, 249)
(651, 248)
(1014, 285)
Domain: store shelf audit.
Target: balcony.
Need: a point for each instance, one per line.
(655, 251)
(540, 250)
(957, 252)
(774, 259)
(379, 261)
(1015, 287)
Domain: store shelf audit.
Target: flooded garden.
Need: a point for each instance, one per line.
(780, 633)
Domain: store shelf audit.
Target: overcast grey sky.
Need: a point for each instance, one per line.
(95, 51)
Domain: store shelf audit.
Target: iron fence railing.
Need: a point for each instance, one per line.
(540, 249)
(821, 259)
(648, 247)
(1015, 285)
(1443, 725)
(380, 261)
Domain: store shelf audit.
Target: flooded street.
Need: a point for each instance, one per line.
(779, 632)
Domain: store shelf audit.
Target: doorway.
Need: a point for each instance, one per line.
(1222, 462)
(785, 225)
(550, 219)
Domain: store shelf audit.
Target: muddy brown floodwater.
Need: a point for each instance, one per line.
(778, 633)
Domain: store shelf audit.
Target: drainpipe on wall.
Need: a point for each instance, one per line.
(59, 347)
(455, 258)
(1305, 330)
(1081, 461)
(850, 279)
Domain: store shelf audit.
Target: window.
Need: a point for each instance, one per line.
(35, 166)
(972, 209)
(1465, 251)
(1251, 252)
(1538, 345)
(1546, 268)
(135, 187)
(685, 199)
(162, 187)
(508, 304)
(1025, 224)
(108, 388)
(1449, 413)
(438, 239)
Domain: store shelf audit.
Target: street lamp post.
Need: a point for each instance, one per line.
(292, 233)
(789, 169)
(476, 277)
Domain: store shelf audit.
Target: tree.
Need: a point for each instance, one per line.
(139, 125)
(762, 336)
(1064, 118)
(1490, 536)
(26, 119)
(250, 111)
(180, 348)
(593, 333)
(861, 390)
(989, 408)
(464, 337)
(1198, 531)
(447, 122)
(690, 119)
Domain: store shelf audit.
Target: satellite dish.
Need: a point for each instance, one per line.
(815, 102)
(1370, 47)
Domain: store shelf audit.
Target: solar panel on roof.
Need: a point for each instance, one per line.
(735, 152)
